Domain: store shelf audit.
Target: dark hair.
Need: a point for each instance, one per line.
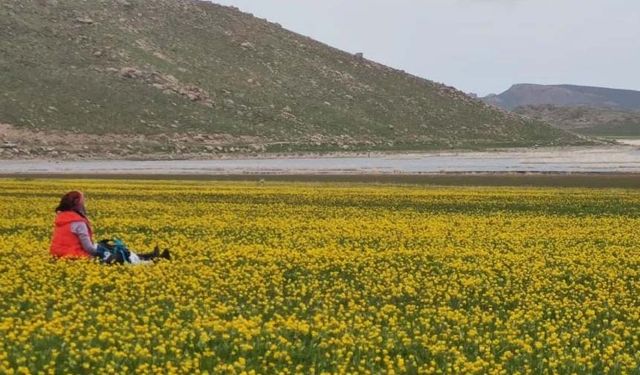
(71, 202)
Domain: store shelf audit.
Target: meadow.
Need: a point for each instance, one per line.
(317, 278)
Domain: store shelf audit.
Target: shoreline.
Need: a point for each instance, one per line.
(602, 166)
(620, 158)
(480, 179)
(312, 155)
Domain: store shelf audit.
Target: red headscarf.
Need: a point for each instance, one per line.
(72, 201)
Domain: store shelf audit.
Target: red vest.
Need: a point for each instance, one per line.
(66, 244)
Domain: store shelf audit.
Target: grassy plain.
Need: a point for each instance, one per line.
(312, 278)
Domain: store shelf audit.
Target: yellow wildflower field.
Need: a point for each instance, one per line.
(324, 278)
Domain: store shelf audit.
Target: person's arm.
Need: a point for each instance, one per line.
(80, 229)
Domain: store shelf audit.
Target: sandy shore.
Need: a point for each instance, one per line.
(602, 159)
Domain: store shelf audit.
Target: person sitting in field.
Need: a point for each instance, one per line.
(73, 237)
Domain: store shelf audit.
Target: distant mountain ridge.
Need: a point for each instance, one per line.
(183, 77)
(520, 95)
(598, 122)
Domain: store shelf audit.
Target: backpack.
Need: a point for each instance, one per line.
(114, 251)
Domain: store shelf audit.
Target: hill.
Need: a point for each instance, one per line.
(587, 121)
(565, 96)
(141, 77)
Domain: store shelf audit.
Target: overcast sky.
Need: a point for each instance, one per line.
(481, 46)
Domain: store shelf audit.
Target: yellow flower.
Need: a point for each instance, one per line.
(324, 278)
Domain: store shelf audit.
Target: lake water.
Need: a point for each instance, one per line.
(624, 158)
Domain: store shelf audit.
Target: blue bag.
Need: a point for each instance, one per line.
(114, 251)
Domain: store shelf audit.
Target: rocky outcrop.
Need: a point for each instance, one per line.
(168, 84)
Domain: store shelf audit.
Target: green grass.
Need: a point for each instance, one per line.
(324, 278)
(625, 130)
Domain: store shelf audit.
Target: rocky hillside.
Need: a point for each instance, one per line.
(566, 96)
(587, 121)
(177, 77)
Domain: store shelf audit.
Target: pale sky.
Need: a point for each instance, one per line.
(481, 46)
